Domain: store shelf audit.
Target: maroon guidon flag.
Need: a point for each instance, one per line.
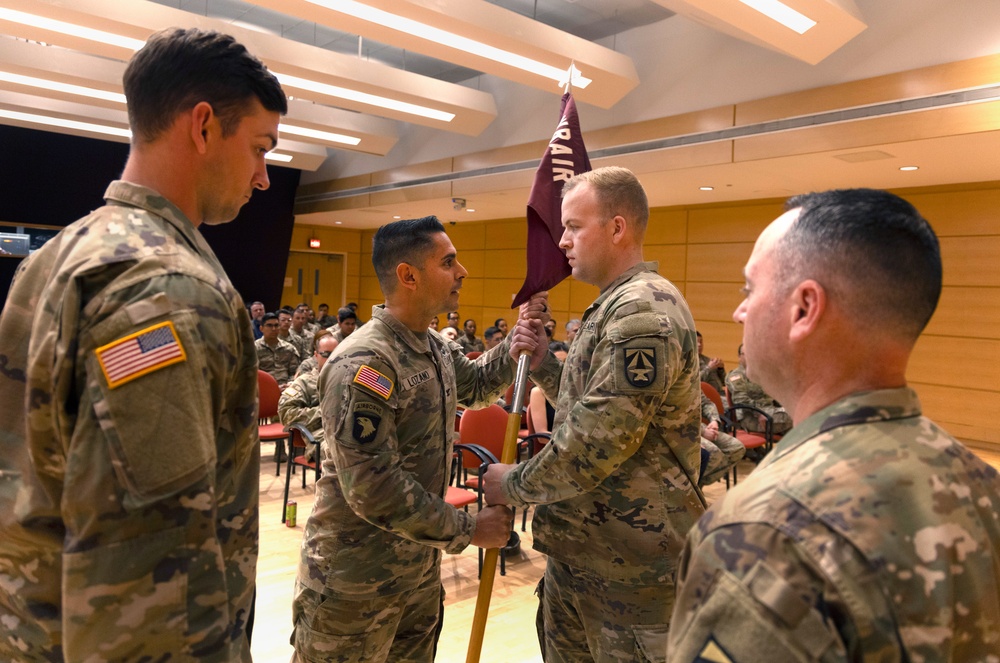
(565, 157)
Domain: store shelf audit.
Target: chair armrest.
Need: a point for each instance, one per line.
(530, 442)
(303, 431)
(768, 420)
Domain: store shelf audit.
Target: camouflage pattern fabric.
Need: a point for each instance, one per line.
(742, 390)
(869, 534)
(616, 483)
(299, 404)
(281, 361)
(388, 399)
(475, 345)
(719, 456)
(302, 350)
(305, 341)
(713, 376)
(307, 365)
(128, 505)
(338, 333)
(709, 412)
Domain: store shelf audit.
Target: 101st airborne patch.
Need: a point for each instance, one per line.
(366, 418)
(640, 366)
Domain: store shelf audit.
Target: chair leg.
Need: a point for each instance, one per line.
(288, 480)
(303, 477)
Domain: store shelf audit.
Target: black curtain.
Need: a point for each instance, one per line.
(54, 179)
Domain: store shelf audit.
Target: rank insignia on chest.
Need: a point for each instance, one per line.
(640, 366)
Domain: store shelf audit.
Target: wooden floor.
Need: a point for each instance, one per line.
(510, 631)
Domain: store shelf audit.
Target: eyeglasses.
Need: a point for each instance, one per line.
(271, 325)
(325, 354)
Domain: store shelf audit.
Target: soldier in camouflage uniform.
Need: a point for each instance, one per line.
(347, 322)
(304, 332)
(285, 334)
(719, 450)
(274, 356)
(369, 581)
(869, 534)
(129, 449)
(299, 402)
(711, 370)
(617, 483)
(744, 391)
(310, 364)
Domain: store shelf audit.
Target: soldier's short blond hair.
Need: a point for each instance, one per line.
(619, 192)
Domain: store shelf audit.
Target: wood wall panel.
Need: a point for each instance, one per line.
(507, 234)
(672, 259)
(467, 236)
(717, 262)
(971, 261)
(977, 214)
(713, 301)
(970, 312)
(666, 227)
(965, 413)
(954, 362)
(731, 224)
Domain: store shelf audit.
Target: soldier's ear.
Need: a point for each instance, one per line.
(407, 275)
(807, 304)
(201, 116)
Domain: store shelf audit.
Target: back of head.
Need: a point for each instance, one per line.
(871, 250)
(619, 192)
(406, 241)
(179, 68)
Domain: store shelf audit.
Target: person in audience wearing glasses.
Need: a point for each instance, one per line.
(275, 357)
(869, 533)
(369, 580)
(299, 402)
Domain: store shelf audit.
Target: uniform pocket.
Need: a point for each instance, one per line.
(651, 642)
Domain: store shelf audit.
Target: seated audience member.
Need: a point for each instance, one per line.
(302, 331)
(434, 323)
(492, 338)
(572, 327)
(310, 325)
(719, 450)
(713, 371)
(323, 317)
(257, 312)
(299, 403)
(869, 533)
(542, 411)
(559, 349)
(354, 307)
(347, 321)
(453, 319)
(450, 333)
(550, 329)
(501, 324)
(745, 392)
(310, 363)
(286, 334)
(274, 356)
(468, 339)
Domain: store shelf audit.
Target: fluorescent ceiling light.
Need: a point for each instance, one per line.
(782, 13)
(364, 97)
(317, 134)
(278, 156)
(66, 124)
(430, 33)
(68, 88)
(62, 27)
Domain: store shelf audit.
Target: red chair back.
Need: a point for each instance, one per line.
(487, 428)
(475, 354)
(713, 396)
(268, 395)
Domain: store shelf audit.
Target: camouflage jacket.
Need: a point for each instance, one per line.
(299, 403)
(475, 345)
(306, 366)
(868, 534)
(743, 390)
(618, 479)
(306, 341)
(297, 342)
(389, 397)
(713, 376)
(128, 445)
(280, 361)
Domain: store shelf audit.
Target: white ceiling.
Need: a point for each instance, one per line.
(682, 63)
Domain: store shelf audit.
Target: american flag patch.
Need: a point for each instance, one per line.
(374, 380)
(140, 353)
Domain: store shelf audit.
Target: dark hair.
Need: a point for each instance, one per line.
(402, 241)
(871, 250)
(619, 193)
(558, 346)
(468, 321)
(698, 334)
(490, 331)
(346, 314)
(268, 316)
(498, 321)
(179, 68)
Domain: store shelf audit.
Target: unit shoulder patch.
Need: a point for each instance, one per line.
(371, 379)
(640, 366)
(365, 419)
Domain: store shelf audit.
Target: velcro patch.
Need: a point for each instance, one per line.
(366, 419)
(369, 377)
(140, 353)
(640, 366)
(713, 653)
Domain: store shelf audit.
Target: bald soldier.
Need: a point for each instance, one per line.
(617, 484)
(869, 533)
(129, 453)
(369, 581)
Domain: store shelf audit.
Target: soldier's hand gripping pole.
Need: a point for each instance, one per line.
(488, 572)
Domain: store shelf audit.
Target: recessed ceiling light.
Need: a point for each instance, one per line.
(470, 210)
(706, 188)
(783, 14)
(278, 156)
(46, 120)
(908, 168)
(337, 223)
(397, 216)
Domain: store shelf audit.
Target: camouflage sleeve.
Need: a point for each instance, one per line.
(709, 412)
(296, 406)
(627, 384)
(160, 521)
(749, 593)
(363, 440)
(480, 382)
(736, 385)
